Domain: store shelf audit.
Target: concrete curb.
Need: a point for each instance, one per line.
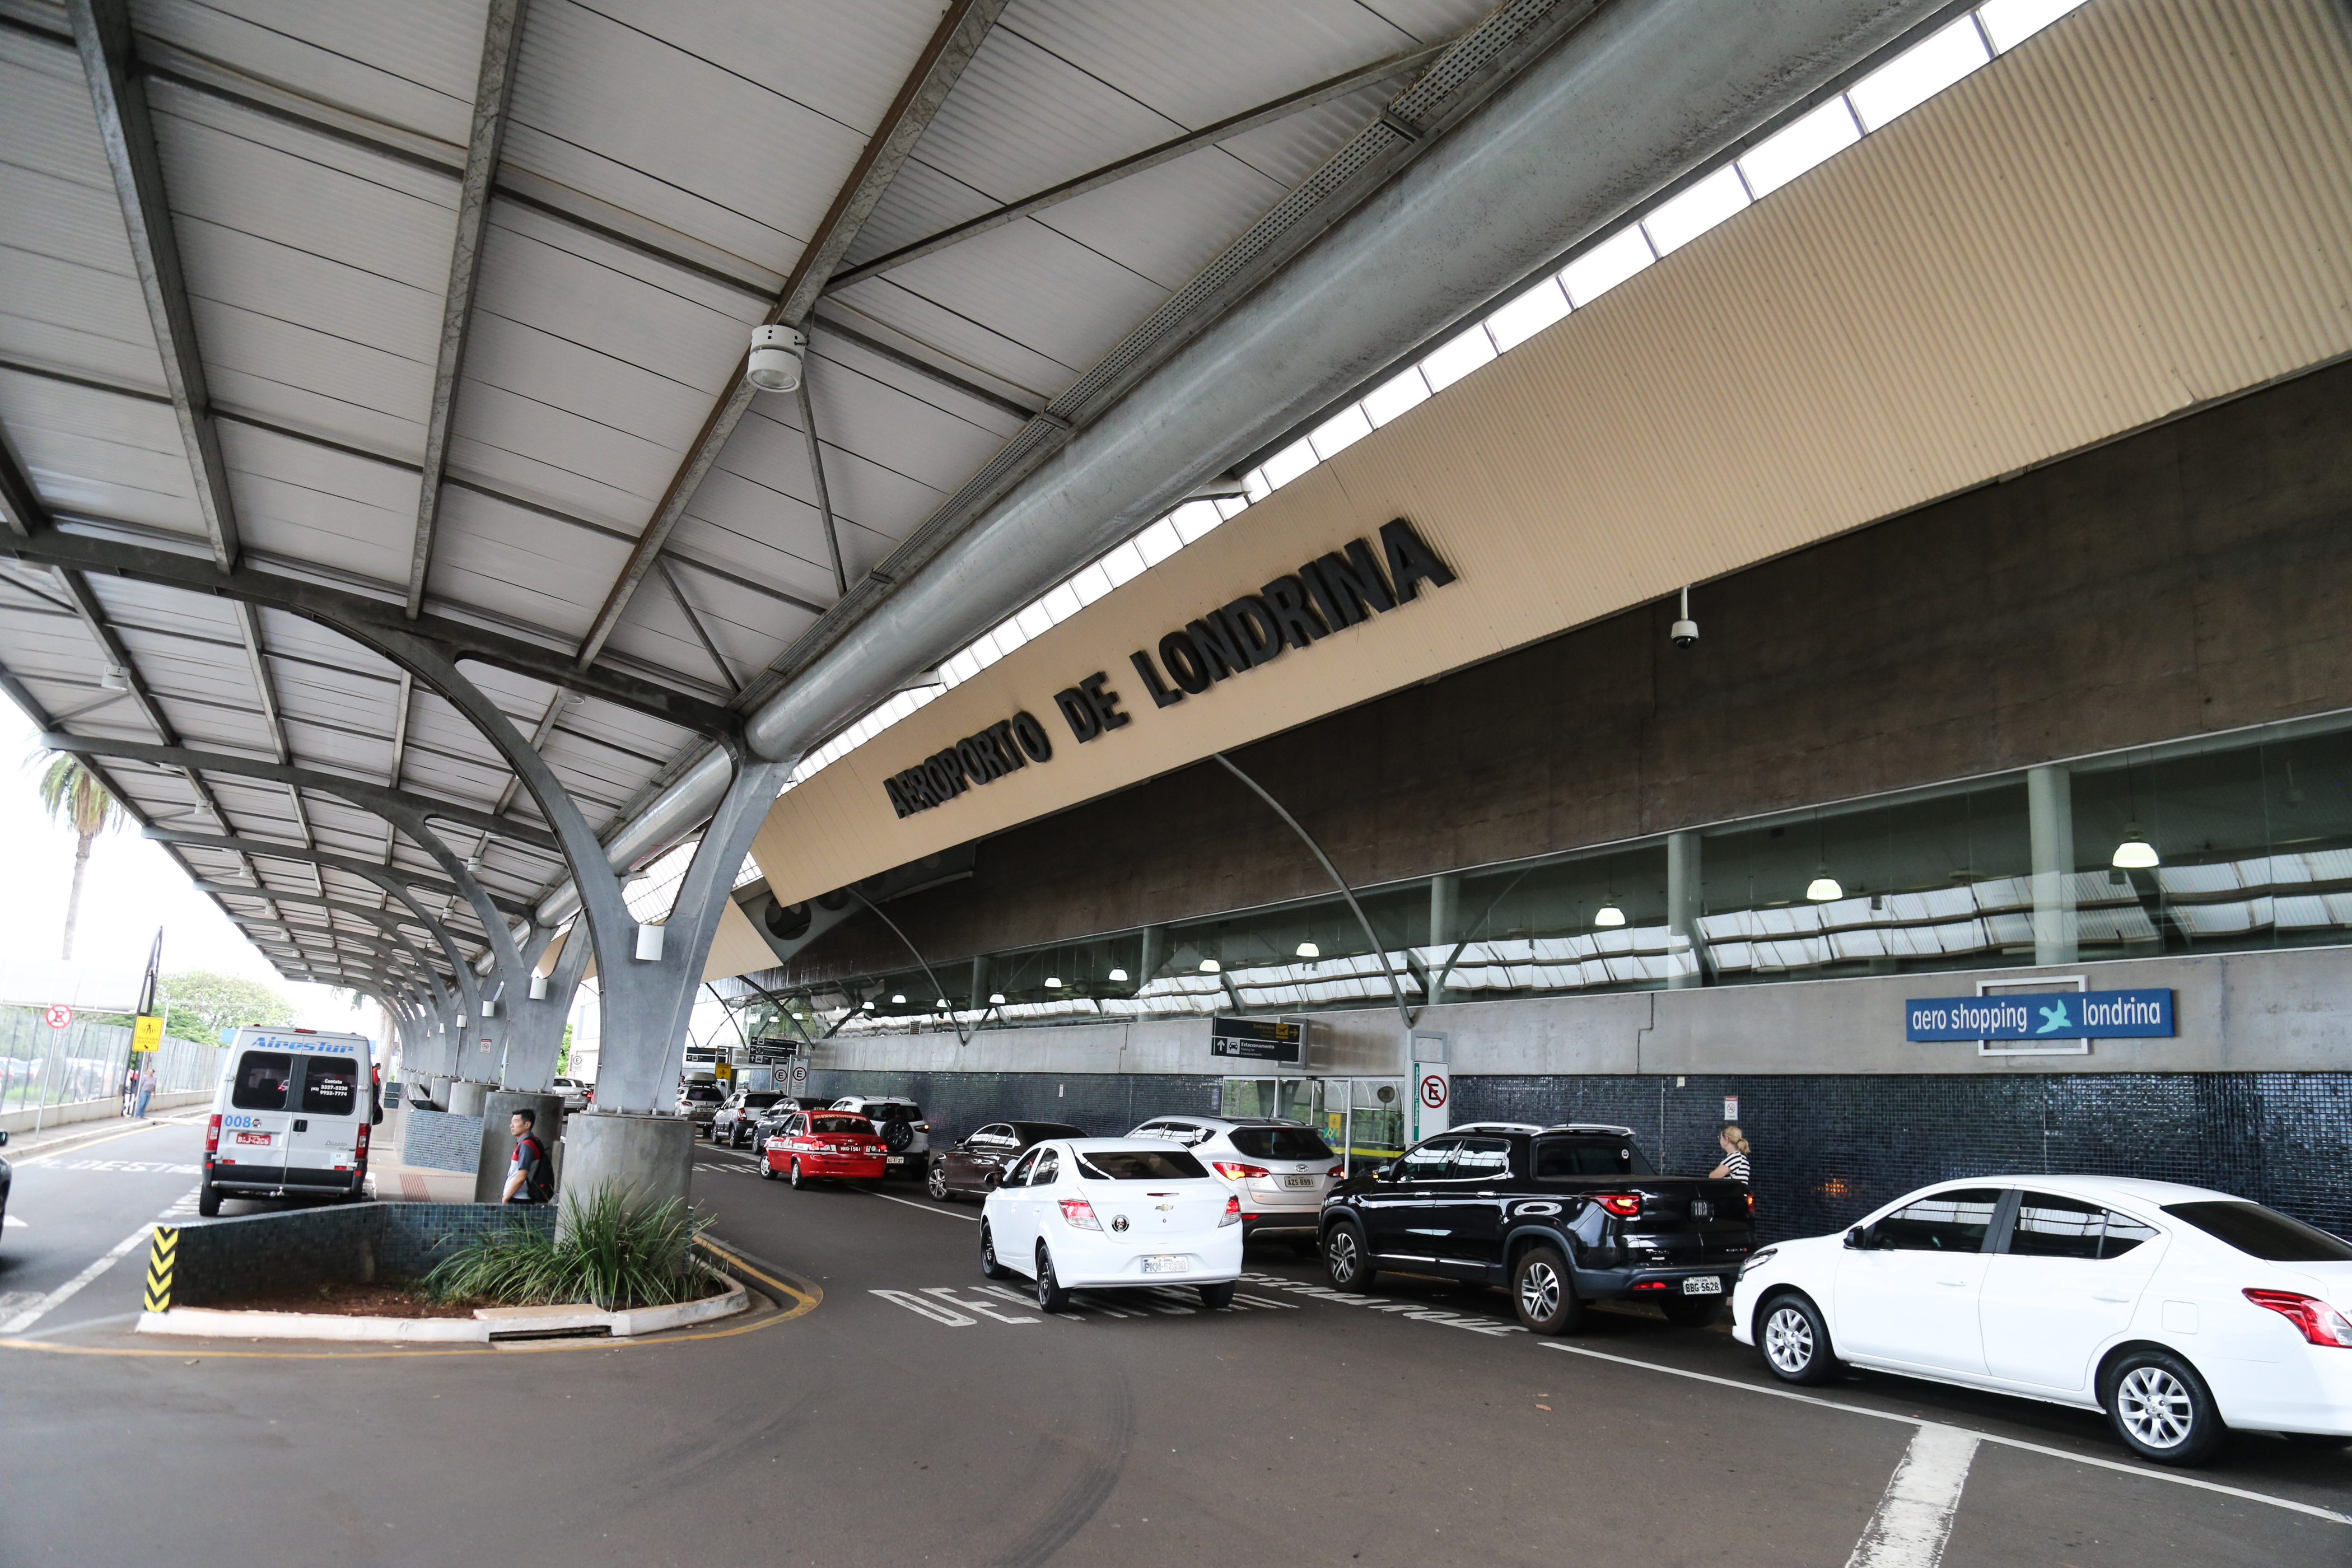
(211, 1323)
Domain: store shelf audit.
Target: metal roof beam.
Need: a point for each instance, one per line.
(694, 621)
(102, 35)
(493, 91)
(268, 850)
(957, 39)
(357, 615)
(1167, 151)
(367, 797)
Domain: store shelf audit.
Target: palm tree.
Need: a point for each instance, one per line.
(74, 796)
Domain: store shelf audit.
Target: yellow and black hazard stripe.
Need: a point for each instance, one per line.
(160, 1260)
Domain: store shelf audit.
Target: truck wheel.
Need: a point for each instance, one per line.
(990, 1269)
(1346, 1258)
(1544, 1292)
(208, 1201)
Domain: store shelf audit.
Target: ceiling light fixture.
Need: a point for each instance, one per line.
(996, 998)
(1118, 974)
(2134, 853)
(115, 679)
(1609, 914)
(775, 361)
(1308, 949)
(1823, 887)
(897, 1001)
(1053, 982)
(1685, 632)
(1211, 966)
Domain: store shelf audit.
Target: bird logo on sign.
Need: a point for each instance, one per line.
(2053, 1018)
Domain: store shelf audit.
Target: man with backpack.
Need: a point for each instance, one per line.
(530, 1175)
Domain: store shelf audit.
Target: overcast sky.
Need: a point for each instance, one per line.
(131, 888)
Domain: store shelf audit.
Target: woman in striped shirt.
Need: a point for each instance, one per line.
(1735, 1153)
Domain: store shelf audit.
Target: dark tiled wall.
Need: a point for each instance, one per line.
(222, 1260)
(1828, 1149)
(1105, 1104)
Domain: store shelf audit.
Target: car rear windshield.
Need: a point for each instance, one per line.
(1589, 1156)
(329, 1088)
(261, 1078)
(883, 1111)
(1280, 1143)
(2262, 1232)
(1138, 1166)
(704, 1092)
(842, 1124)
(759, 1099)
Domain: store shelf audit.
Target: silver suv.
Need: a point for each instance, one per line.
(905, 1136)
(1279, 1169)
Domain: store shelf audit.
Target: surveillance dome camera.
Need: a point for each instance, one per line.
(1684, 634)
(776, 358)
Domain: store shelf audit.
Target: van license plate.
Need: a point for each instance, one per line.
(1172, 1264)
(253, 1137)
(1705, 1285)
(1298, 1180)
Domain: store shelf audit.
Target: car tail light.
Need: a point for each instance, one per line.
(1080, 1213)
(1751, 1204)
(1234, 1171)
(212, 1138)
(1625, 1206)
(2321, 1324)
(1649, 1284)
(1336, 1171)
(1232, 1212)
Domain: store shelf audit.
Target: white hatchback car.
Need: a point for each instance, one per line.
(1280, 1169)
(2180, 1311)
(1091, 1214)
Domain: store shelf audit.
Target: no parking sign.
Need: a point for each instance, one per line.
(1432, 1095)
(59, 1015)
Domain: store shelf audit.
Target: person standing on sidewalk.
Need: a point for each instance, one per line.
(527, 1170)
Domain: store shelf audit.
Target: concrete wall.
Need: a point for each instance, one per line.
(96, 1109)
(2184, 580)
(266, 1254)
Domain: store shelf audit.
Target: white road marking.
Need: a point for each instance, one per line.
(1915, 1518)
(946, 1293)
(65, 1292)
(931, 1309)
(2153, 1475)
(927, 1208)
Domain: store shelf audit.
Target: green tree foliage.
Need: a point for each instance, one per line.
(198, 1004)
(74, 796)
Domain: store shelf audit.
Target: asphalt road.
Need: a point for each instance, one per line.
(914, 1416)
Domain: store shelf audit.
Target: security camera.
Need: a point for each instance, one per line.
(1685, 632)
(776, 358)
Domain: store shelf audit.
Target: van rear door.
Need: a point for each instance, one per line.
(259, 1120)
(330, 1103)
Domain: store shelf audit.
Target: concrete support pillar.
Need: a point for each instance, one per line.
(439, 1087)
(1684, 903)
(1155, 953)
(649, 1158)
(1444, 923)
(2050, 816)
(980, 981)
(535, 1034)
(498, 1137)
(465, 1097)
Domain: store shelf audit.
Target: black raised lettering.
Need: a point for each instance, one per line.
(1286, 599)
(1411, 562)
(1255, 629)
(1160, 696)
(976, 761)
(1185, 664)
(1001, 733)
(1105, 703)
(1083, 721)
(1033, 737)
(898, 797)
(1353, 581)
(1337, 612)
(1219, 647)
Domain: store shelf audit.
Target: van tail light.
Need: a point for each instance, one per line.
(212, 1138)
(1234, 1171)
(1080, 1213)
(1233, 1215)
(361, 1149)
(2321, 1324)
(1624, 1206)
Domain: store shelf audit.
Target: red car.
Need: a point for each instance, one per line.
(824, 1146)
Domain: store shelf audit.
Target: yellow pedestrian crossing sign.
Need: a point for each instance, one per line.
(147, 1033)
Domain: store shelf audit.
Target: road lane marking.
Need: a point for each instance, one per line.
(947, 1293)
(66, 1291)
(2019, 1443)
(1914, 1518)
(927, 1208)
(921, 1308)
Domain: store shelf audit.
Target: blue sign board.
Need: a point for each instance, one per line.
(2039, 1015)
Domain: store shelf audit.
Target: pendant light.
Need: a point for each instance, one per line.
(897, 1001)
(2134, 853)
(1118, 977)
(1609, 914)
(1308, 949)
(1211, 966)
(996, 998)
(1823, 888)
(1053, 982)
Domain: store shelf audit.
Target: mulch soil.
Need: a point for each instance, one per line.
(347, 1300)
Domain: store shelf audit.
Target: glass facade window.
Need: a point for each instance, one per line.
(2226, 843)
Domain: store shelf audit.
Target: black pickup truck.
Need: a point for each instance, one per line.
(1561, 1216)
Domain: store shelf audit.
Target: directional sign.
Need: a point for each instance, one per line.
(2047, 1014)
(1258, 1039)
(59, 1015)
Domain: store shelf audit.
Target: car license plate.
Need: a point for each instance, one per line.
(1171, 1264)
(1298, 1181)
(253, 1137)
(898, 1159)
(1705, 1285)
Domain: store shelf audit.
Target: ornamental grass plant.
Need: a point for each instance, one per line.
(607, 1252)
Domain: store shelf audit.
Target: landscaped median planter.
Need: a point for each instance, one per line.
(480, 1326)
(437, 1273)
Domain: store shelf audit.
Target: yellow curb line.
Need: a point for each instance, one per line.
(809, 1297)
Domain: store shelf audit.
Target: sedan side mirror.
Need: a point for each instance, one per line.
(1860, 1238)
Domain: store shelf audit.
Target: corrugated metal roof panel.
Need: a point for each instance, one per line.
(94, 452)
(414, 64)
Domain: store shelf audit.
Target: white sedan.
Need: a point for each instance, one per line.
(1080, 1213)
(2180, 1311)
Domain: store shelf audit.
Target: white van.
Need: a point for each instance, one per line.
(290, 1118)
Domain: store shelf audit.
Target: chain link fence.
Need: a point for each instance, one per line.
(41, 1066)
